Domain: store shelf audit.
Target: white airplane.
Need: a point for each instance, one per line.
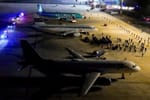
(91, 68)
(63, 30)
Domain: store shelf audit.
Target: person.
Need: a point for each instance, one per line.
(97, 54)
(142, 53)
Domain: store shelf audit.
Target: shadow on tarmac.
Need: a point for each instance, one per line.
(47, 86)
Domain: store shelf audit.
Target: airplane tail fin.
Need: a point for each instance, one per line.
(39, 8)
(29, 54)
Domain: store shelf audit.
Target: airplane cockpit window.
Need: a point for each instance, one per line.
(133, 66)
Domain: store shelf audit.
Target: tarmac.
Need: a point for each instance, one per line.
(135, 87)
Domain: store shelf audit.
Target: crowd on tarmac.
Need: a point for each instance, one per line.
(105, 42)
(136, 42)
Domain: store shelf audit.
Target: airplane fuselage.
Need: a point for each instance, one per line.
(68, 16)
(78, 66)
(58, 15)
(90, 68)
(64, 28)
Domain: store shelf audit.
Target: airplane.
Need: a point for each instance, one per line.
(66, 16)
(91, 68)
(94, 54)
(63, 30)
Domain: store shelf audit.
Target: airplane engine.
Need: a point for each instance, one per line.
(77, 34)
(103, 81)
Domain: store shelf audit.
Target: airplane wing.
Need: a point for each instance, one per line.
(74, 53)
(71, 33)
(89, 81)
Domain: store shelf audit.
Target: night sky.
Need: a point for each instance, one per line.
(143, 6)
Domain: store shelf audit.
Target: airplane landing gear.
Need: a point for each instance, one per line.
(122, 76)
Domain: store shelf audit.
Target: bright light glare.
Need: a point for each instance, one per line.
(94, 3)
(40, 10)
(10, 28)
(5, 31)
(13, 19)
(14, 23)
(21, 14)
(3, 36)
(118, 7)
(3, 43)
(17, 18)
(131, 8)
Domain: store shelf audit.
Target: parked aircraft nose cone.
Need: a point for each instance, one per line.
(137, 68)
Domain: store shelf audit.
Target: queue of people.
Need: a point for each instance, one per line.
(128, 45)
(105, 42)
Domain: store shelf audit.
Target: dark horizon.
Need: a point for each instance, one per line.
(141, 7)
(37, 1)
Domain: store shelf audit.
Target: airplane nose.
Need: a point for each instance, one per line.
(96, 29)
(137, 68)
